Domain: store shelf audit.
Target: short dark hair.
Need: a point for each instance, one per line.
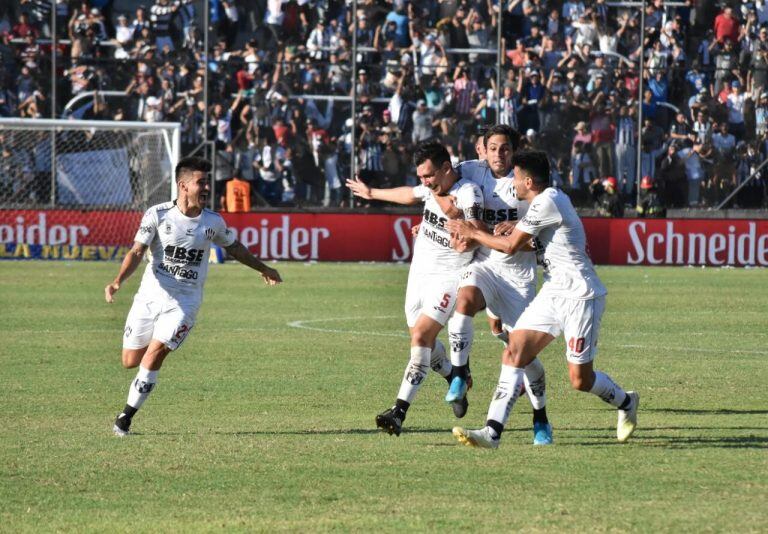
(512, 135)
(192, 164)
(535, 163)
(432, 151)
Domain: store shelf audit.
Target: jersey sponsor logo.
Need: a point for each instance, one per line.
(145, 229)
(440, 239)
(192, 256)
(497, 216)
(531, 221)
(434, 219)
(178, 271)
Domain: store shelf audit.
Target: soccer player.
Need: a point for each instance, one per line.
(178, 235)
(503, 284)
(435, 268)
(571, 301)
(494, 322)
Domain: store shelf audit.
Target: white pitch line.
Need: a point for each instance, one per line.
(303, 325)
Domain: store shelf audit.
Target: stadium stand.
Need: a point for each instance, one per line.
(281, 74)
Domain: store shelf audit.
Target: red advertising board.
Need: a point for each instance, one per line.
(63, 234)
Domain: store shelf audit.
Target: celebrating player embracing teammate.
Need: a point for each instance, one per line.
(513, 276)
(571, 301)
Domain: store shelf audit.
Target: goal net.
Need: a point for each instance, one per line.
(77, 189)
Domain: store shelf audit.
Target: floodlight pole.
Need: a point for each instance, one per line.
(499, 60)
(206, 7)
(53, 102)
(639, 163)
(53, 59)
(353, 139)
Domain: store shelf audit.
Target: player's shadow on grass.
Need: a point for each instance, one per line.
(645, 437)
(717, 411)
(329, 432)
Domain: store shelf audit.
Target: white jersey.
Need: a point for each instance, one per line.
(432, 252)
(562, 247)
(500, 204)
(178, 250)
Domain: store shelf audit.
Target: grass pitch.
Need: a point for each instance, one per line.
(264, 419)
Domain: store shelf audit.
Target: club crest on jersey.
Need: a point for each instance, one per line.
(167, 228)
(209, 233)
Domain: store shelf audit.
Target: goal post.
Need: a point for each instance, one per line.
(67, 183)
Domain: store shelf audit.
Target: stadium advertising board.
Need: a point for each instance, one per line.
(101, 235)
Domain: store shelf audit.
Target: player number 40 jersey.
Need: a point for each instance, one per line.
(179, 247)
(562, 244)
(433, 252)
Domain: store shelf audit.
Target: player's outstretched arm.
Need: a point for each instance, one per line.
(396, 195)
(130, 262)
(238, 251)
(508, 244)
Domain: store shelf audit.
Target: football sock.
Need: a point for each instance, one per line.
(507, 391)
(535, 385)
(141, 387)
(403, 406)
(609, 391)
(123, 420)
(502, 336)
(439, 363)
(460, 334)
(415, 373)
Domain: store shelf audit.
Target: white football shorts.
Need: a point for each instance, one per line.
(433, 295)
(578, 320)
(504, 299)
(164, 320)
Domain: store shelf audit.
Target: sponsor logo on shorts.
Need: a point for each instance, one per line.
(128, 331)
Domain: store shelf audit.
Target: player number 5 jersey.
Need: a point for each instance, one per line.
(179, 247)
(432, 252)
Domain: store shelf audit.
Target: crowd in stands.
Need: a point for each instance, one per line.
(424, 69)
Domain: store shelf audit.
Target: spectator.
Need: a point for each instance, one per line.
(694, 159)
(726, 26)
